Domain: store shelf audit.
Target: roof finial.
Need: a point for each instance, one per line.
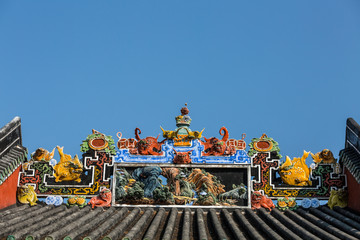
(184, 111)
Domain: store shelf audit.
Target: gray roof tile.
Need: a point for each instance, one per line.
(178, 223)
(351, 160)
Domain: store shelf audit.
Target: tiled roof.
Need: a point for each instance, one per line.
(351, 160)
(12, 154)
(11, 161)
(48, 222)
(350, 156)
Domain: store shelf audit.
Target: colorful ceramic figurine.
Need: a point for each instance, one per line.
(174, 134)
(325, 156)
(103, 200)
(258, 200)
(182, 157)
(200, 178)
(43, 155)
(285, 203)
(338, 198)
(40, 154)
(295, 172)
(238, 192)
(216, 147)
(172, 180)
(147, 146)
(76, 200)
(67, 169)
(27, 195)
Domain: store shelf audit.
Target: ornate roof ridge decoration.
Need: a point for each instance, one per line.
(182, 135)
(99, 142)
(182, 146)
(264, 144)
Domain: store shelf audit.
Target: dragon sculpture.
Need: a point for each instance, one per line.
(215, 147)
(146, 146)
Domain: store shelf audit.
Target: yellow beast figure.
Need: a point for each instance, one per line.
(27, 195)
(67, 169)
(295, 172)
(325, 156)
(338, 198)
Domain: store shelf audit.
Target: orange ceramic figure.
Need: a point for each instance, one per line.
(103, 200)
(147, 146)
(182, 157)
(258, 200)
(216, 147)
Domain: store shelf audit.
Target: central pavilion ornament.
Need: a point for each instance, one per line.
(182, 146)
(182, 135)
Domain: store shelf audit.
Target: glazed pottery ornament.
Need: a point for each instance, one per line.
(26, 195)
(67, 169)
(295, 172)
(338, 198)
(43, 155)
(258, 200)
(103, 200)
(325, 156)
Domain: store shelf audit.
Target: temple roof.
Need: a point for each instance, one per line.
(12, 154)
(350, 156)
(177, 223)
(11, 161)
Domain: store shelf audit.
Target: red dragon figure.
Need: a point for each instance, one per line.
(258, 200)
(216, 147)
(103, 200)
(182, 157)
(146, 146)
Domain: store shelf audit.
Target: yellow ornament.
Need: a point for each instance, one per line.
(295, 172)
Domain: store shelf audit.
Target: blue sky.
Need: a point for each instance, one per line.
(290, 69)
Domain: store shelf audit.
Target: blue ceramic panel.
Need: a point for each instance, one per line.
(240, 157)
